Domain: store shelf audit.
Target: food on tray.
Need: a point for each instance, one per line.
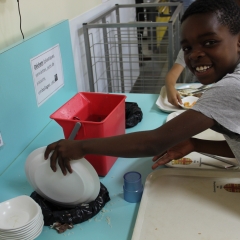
(186, 94)
(197, 92)
(188, 104)
(198, 95)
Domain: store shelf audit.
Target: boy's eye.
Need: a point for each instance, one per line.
(185, 49)
(209, 43)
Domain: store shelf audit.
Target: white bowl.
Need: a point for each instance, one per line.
(18, 212)
(82, 186)
(190, 100)
(28, 236)
(25, 228)
(22, 234)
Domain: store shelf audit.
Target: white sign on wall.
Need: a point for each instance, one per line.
(47, 73)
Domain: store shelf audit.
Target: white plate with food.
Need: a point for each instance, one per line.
(162, 101)
(192, 90)
(81, 186)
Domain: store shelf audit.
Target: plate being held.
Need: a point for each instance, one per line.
(82, 186)
(188, 102)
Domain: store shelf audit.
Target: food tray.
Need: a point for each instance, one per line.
(189, 204)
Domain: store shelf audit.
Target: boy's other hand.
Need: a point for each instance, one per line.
(178, 151)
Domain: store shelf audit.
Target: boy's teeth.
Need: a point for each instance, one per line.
(202, 68)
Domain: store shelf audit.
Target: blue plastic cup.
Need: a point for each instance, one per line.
(132, 196)
(132, 181)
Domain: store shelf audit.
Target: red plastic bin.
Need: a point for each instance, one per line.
(100, 115)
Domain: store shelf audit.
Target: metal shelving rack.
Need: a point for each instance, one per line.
(114, 63)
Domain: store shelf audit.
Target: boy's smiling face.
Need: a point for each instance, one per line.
(210, 50)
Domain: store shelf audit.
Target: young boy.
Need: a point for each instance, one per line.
(174, 73)
(212, 53)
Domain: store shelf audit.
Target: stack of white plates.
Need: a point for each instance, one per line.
(81, 186)
(20, 218)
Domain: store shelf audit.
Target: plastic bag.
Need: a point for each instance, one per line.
(53, 213)
(133, 114)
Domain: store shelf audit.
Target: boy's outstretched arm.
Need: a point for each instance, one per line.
(219, 148)
(138, 144)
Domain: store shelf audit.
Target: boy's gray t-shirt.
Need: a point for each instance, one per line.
(221, 102)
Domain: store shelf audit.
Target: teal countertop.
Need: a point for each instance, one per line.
(117, 219)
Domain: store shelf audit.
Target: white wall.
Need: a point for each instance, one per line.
(39, 15)
(36, 16)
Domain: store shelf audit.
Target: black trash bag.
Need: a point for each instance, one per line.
(133, 114)
(53, 213)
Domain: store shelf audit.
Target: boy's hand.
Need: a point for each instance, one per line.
(63, 152)
(178, 151)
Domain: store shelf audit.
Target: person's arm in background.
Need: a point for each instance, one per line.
(170, 81)
(172, 77)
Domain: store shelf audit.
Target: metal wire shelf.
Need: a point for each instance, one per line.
(132, 56)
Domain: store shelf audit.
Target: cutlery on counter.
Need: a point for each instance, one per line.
(230, 163)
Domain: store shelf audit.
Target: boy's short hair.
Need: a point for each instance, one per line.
(227, 12)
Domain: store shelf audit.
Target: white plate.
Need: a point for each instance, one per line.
(32, 160)
(163, 104)
(188, 90)
(189, 205)
(82, 186)
(190, 100)
(191, 85)
(162, 101)
(33, 156)
(207, 134)
(174, 114)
